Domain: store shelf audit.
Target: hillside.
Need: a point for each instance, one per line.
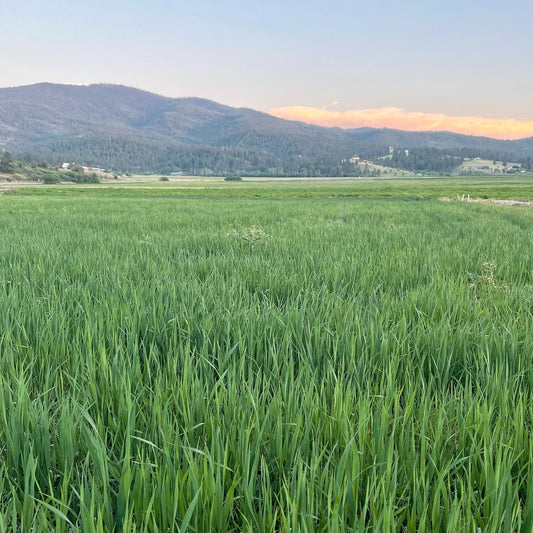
(132, 130)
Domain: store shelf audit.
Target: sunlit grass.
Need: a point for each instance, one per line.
(264, 364)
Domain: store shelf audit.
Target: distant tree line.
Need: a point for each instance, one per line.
(255, 155)
(422, 160)
(132, 155)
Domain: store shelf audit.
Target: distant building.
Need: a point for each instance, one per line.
(65, 166)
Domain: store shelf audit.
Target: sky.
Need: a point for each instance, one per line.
(458, 65)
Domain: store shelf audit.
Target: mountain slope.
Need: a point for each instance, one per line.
(441, 140)
(129, 129)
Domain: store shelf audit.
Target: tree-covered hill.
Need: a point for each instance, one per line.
(127, 129)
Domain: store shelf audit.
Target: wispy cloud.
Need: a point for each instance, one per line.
(396, 118)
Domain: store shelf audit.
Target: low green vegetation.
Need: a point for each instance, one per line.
(517, 188)
(20, 169)
(266, 357)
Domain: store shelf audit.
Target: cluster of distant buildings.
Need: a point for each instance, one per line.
(96, 170)
(477, 164)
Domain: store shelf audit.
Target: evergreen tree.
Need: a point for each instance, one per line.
(6, 163)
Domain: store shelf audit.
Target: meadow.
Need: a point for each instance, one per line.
(352, 356)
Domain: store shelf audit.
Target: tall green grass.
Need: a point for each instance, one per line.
(321, 364)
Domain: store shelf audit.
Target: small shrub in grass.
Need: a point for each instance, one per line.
(486, 282)
(84, 177)
(250, 235)
(233, 177)
(488, 276)
(163, 178)
(50, 179)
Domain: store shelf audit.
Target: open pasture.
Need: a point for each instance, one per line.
(266, 357)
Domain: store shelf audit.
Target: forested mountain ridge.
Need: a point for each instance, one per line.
(127, 129)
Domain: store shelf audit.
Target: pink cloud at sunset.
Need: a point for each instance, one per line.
(396, 118)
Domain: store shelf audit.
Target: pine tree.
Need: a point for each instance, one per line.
(6, 163)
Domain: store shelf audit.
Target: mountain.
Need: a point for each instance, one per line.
(132, 130)
(442, 140)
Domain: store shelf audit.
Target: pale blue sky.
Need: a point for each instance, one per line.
(467, 57)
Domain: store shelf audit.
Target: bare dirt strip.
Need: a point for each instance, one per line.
(494, 201)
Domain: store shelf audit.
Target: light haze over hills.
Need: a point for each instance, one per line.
(126, 128)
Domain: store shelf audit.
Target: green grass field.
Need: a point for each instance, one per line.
(518, 188)
(348, 356)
